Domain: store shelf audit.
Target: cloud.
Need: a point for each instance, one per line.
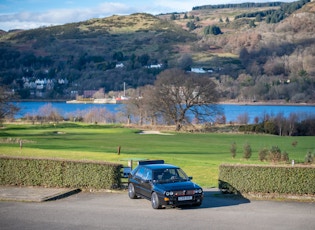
(179, 6)
(28, 20)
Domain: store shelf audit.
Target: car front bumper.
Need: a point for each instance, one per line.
(181, 200)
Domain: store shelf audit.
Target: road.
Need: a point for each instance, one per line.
(116, 211)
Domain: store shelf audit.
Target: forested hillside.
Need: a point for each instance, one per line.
(253, 52)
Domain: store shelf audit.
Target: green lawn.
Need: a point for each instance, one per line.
(198, 154)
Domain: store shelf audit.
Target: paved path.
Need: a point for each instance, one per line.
(104, 210)
(34, 194)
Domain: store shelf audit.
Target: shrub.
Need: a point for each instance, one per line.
(59, 173)
(294, 143)
(267, 179)
(285, 157)
(263, 154)
(214, 30)
(247, 151)
(233, 149)
(309, 158)
(274, 154)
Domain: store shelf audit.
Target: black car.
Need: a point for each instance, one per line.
(163, 184)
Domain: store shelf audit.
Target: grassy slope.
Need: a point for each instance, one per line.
(198, 154)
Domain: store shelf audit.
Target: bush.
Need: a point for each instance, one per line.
(233, 149)
(263, 153)
(285, 157)
(59, 173)
(214, 30)
(294, 143)
(247, 151)
(267, 179)
(274, 154)
(309, 158)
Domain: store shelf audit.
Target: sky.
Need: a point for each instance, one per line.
(29, 14)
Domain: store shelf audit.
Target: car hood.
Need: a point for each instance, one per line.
(174, 186)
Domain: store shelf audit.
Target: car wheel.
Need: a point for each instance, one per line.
(155, 201)
(197, 204)
(131, 191)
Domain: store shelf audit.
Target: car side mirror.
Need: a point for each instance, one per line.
(190, 178)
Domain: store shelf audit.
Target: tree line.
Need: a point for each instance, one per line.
(238, 5)
(275, 16)
(296, 124)
(177, 98)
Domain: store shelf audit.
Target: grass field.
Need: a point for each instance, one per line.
(198, 154)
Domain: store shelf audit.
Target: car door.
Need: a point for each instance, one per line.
(147, 183)
(143, 180)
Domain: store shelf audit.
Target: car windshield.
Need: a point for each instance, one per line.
(169, 174)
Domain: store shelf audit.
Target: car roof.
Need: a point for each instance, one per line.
(159, 166)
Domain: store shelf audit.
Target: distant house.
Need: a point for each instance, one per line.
(40, 83)
(157, 66)
(200, 70)
(61, 81)
(119, 65)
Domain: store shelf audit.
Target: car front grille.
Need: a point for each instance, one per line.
(184, 192)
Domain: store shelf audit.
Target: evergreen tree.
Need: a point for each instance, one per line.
(215, 30)
(191, 25)
(247, 151)
(258, 18)
(252, 23)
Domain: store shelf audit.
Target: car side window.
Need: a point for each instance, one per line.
(140, 173)
(147, 174)
(144, 174)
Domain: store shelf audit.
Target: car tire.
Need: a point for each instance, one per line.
(197, 204)
(155, 201)
(131, 191)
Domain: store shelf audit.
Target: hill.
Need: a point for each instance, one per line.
(263, 52)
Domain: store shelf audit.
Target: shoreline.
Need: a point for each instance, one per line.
(228, 102)
(268, 103)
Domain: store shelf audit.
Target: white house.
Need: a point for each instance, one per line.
(119, 65)
(157, 66)
(200, 70)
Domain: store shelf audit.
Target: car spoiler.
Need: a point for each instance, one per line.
(149, 162)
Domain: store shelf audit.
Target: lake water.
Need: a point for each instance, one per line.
(231, 111)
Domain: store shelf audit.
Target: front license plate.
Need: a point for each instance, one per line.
(182, 198)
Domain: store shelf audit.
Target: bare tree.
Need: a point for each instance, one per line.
(7, 109)
(243, 118)
(292, 120)
(280, 121)
(48, 113)
(136, 109)
(99, 94)
(180, 97)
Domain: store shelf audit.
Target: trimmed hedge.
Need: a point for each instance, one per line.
(59, 173)
(299, 180)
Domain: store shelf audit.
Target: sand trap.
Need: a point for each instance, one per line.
(154, 132)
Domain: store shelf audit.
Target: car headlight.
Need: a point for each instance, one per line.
(198, 190)
(169, 193)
